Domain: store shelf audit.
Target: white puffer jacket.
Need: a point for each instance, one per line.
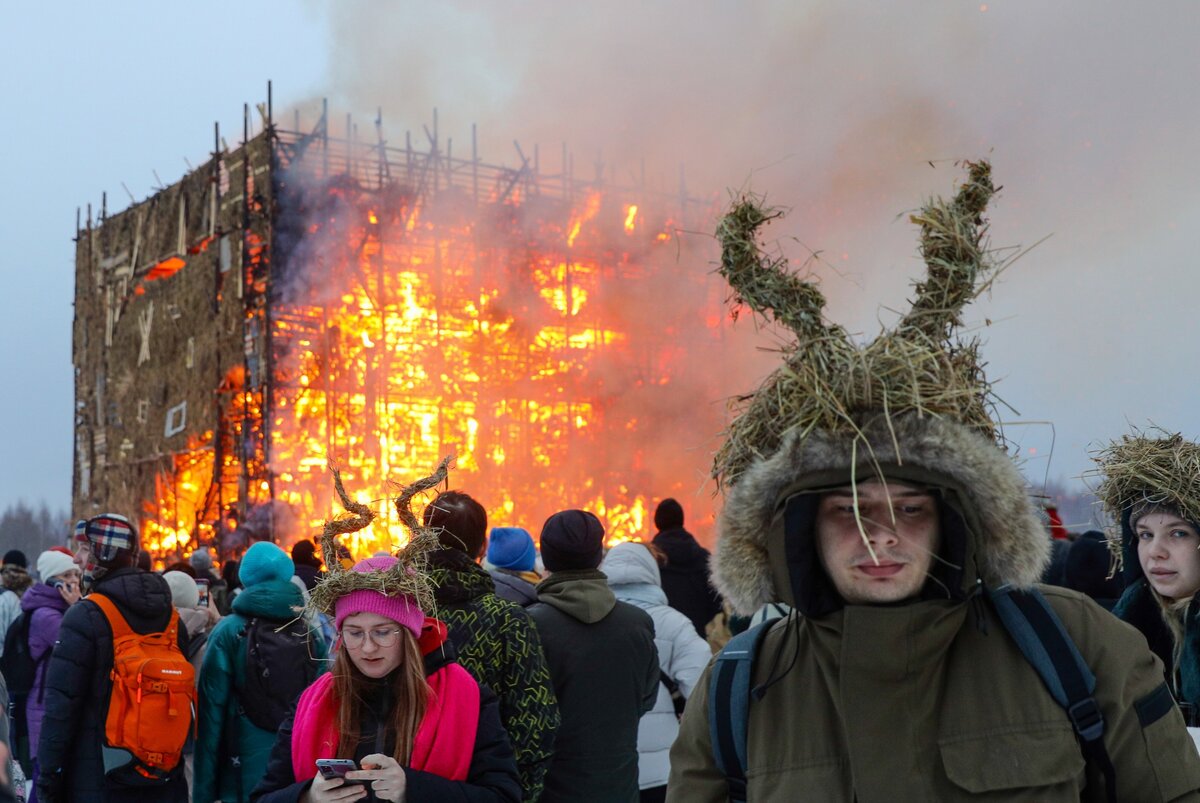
(633, 576)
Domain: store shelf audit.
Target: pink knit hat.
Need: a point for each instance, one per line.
(403, 610)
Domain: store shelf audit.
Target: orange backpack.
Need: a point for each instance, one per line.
(150, 712)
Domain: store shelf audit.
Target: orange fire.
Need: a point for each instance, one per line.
(437, 343)
(630, 217)
(181, 498)
(404, 327)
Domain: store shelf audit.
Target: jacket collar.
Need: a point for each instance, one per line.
(456, 578)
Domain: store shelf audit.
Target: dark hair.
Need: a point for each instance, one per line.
(181, 566)
(125, 559)
(462, 522)
(229, 573)
(304, 553)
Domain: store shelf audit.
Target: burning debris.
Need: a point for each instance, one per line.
(306, 299)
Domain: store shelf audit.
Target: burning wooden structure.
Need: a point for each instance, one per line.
(307, 298)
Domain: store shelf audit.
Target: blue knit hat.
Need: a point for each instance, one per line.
(511, 548)
(265, 561)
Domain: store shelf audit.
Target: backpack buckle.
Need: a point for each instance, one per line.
(1087, 719)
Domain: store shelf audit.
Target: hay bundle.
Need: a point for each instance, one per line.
(763, 282)
(409, 576)
(826, 379)
(1146, 469)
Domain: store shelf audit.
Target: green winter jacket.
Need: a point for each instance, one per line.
(216, 778)
(927, 698)
(498, 644)
(945, 686)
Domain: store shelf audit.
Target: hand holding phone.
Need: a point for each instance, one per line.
(331, 768)
(331, 785)
(202, 589)
(67, 589)
(385, 776)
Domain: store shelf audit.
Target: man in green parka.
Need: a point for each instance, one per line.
(866, 489)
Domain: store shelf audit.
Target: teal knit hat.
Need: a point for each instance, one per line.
(265, 561)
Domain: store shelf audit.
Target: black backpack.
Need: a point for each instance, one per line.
(1026, 616)
(17, 664)
(280, 664)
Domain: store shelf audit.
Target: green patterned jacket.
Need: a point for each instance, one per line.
(499, 645)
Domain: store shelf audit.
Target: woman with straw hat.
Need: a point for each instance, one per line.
(1151, 487)
(416, 725)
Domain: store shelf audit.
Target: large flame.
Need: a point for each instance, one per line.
(406, 324)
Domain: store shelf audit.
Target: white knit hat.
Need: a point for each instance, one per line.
(52, 563)
(184, 593)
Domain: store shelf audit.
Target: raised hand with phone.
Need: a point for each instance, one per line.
(68, 589)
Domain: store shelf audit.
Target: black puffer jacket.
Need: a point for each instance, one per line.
(605, 670)
(685, 577)
(491, 778)
(78, 687)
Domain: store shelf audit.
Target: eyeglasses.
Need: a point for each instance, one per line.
(380, 636)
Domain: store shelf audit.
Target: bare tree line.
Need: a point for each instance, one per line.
(33, 530)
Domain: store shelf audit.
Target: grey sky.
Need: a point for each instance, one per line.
(1088, 110)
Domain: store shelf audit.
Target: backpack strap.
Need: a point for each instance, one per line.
(120, 627)
(729, 706)
(1045, 643)
(678, 701)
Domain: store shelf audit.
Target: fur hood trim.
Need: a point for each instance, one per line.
(1009, 542)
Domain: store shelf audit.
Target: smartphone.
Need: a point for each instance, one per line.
(56, 583)
(331, 768)
(202, 587)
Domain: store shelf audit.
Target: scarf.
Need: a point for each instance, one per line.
(445, 742)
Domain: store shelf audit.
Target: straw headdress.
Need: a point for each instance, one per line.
(1147, 469)
(913, 404)
(826, 379)
(409, 576)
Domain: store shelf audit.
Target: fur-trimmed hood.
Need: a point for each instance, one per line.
(979, 484)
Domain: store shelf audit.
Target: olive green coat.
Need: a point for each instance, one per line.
(918, 703)
(929, 698)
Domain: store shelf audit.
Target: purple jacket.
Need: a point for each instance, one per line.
(48, 608)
